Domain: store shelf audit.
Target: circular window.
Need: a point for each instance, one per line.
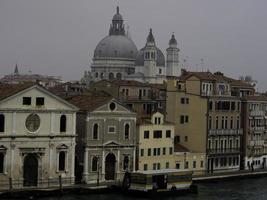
(112, 106)
(32, 122)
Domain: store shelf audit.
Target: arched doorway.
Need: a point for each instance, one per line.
(110, 166)
(30, 170)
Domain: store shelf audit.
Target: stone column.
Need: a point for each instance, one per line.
(51, 161)
(85, 165)
(118, 165)
(13, 123)
(134, 152)
(52, 123)
(73, 160)
(74, 123)
(13, 146)
(103, 163)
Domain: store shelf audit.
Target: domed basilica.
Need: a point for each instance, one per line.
(116, 57)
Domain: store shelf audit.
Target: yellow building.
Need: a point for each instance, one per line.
(155, 141)
(187, 109)
(183, 159)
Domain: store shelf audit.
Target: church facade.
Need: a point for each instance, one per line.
(37, 137)
(116, 57)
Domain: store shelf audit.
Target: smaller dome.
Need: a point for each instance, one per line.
(117, 16)
(140, 58)
(173, 40)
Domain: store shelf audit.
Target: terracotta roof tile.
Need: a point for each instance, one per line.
(89, 101)
(180, 148)
(7, 90)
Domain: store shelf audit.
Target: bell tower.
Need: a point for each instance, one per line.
(150, 56)
(172, 58)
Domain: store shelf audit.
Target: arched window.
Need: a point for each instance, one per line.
(118, 76)
(94, 164)
(126, 131)
(95, 132)
(126, 162)
(111, 76)
(61, 161)
(63, 123)
(96, 74)
(2, 157)
(2, 123)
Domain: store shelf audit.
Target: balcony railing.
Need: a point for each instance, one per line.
(256, 113)
(226, 132)
(223, 151)
(256, 143)
(257, 128)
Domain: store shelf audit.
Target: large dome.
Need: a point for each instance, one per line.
(140, 58)
(115, 47)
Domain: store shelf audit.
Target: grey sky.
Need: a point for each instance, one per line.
(58, 37)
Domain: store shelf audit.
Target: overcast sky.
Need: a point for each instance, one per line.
(58, 37)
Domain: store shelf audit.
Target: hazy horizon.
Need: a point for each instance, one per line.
(58, 37)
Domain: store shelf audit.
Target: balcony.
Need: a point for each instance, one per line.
(226, 132)
(223, 151)
(256, 143)
(257, 129)
(257, 113)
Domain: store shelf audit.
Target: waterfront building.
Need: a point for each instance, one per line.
(254, 122)
(155, 143)
(37, 137)
(106, 142)
(116, 57)
(208, 107)
(16, 77)
(142, 98)
(187, 160)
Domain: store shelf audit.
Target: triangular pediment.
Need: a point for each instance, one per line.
(51, 101)
(117, 107)
(111, 143)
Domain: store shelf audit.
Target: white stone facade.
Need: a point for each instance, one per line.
(37, 142)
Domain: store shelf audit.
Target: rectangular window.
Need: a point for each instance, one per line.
(164, 151)
(177, 165)
(154, 151)
(182, 100)
(187, 100)
(167, 165)
(176, 139)
(146, 134)
(142, 152)
(158, 151)
(233, 105)
(149, 152)
(181, 119)
(158, 166)
(145, 167)
(39, 101)
(157, 134)
(210, 105)
(194, 164)
(186, 119)
(186, 165)
(170, 150)
(201, 163)
(154, 166)
(111, 129)
(27, 101)
(168, 133)
(186, 138)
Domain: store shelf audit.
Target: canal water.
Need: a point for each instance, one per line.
(244, 189)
